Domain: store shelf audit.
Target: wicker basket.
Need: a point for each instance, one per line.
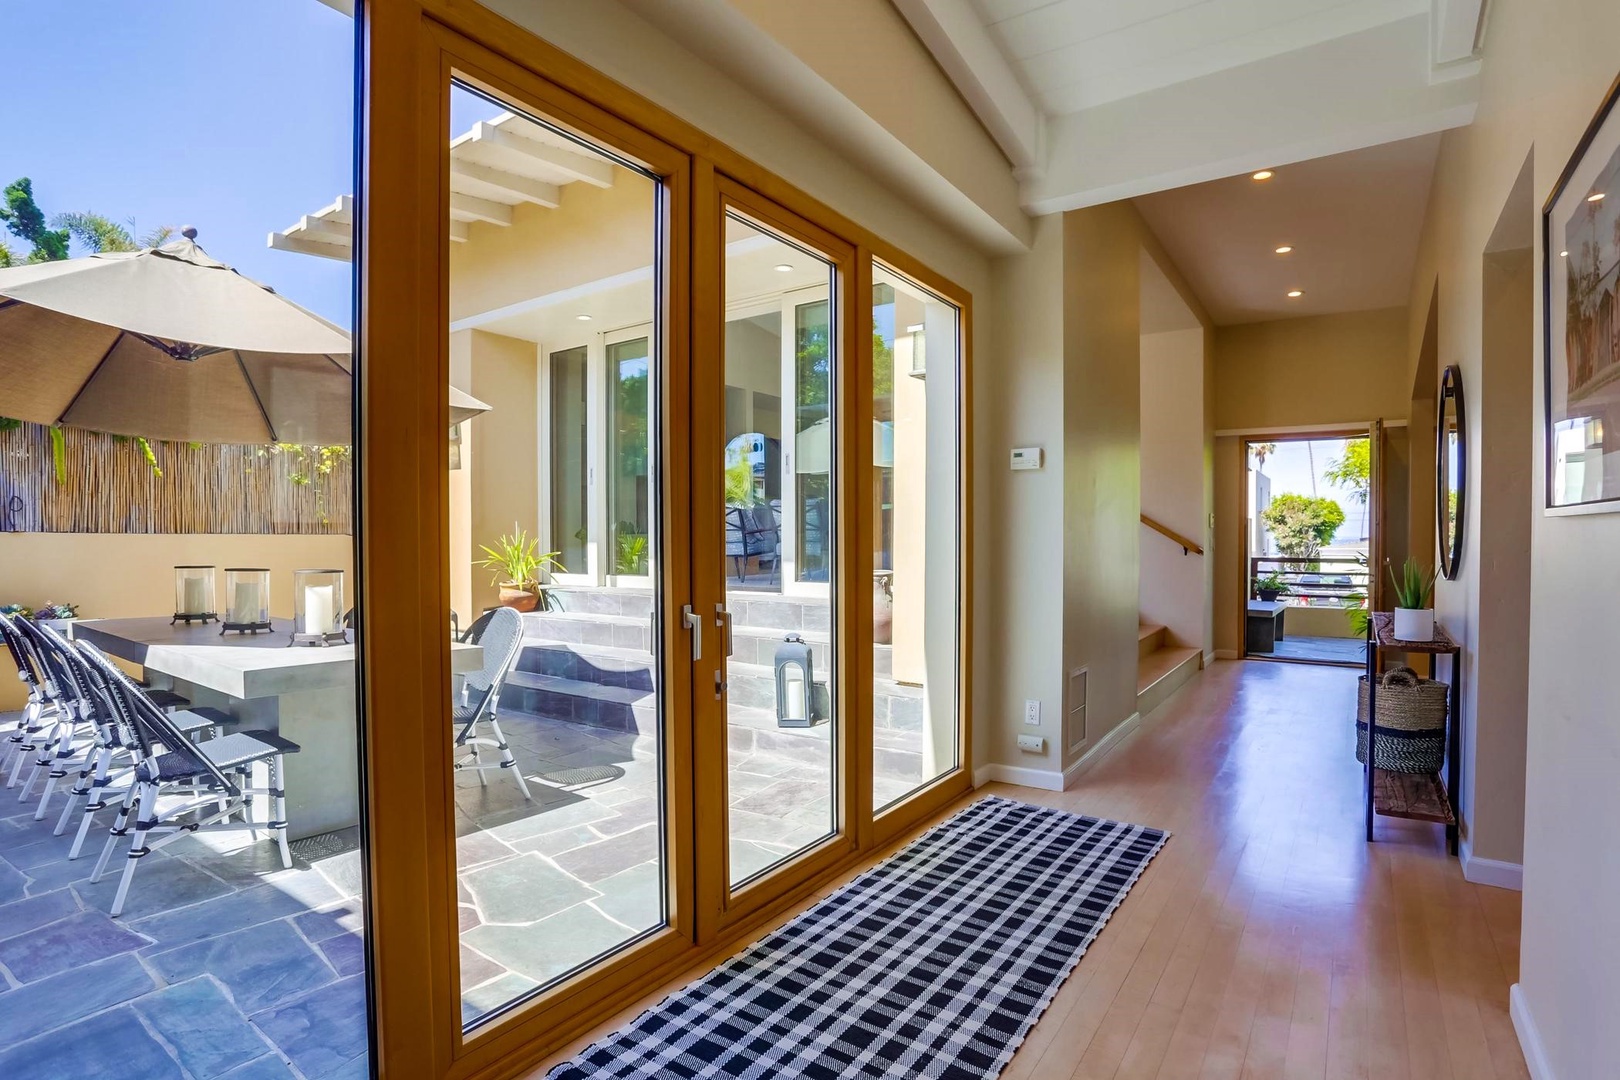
(1411, 722)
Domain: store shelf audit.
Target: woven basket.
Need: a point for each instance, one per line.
(1411, 722)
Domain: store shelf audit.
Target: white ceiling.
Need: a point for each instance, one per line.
(1136, 96)
(1353, 220)
(1077, 54)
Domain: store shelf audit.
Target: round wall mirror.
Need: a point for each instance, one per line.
(1451, 457)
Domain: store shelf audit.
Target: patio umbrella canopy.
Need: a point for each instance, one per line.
(169, 344)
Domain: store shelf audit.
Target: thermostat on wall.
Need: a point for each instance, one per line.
(1027, 457)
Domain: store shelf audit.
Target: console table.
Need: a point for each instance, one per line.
(1420, 797)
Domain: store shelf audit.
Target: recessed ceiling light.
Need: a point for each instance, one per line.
(1285, 249)
(1596, 196)
(583, 318)
(784, 268)
(1563, 254)
(1263, 174)
(1295, 294)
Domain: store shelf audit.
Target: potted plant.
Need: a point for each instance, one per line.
(56, 614)
(1270, 586)
(515, 564)
(1414, 601)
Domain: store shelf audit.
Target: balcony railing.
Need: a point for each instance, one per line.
(1323, 580)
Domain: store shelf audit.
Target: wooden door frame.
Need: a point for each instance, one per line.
(1245, 438)
(406, 51)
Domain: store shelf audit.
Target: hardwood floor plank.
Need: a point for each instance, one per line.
(1267, 939)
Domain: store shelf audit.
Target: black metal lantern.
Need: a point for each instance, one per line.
(795, 684)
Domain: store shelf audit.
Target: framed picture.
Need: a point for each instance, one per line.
(1581, 290)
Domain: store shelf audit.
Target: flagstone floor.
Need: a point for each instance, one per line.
(226, 965)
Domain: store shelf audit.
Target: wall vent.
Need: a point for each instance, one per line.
(1074, 709)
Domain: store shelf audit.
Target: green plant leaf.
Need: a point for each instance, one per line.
(59, 452)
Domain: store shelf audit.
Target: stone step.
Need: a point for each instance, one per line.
(615, 708)
(589, 628)
(630, 668)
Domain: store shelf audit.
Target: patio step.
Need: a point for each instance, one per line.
(614, 689)
(1162, 672)
(1150, 638)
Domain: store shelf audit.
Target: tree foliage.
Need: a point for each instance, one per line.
(26, 221)
(1302, 524)
(1353, 471)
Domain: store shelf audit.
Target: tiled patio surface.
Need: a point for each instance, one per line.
(1322, 649)
(226, 965)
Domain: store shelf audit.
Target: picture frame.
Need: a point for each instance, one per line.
(1580, 226)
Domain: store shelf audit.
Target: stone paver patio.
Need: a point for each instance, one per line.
(226, 965)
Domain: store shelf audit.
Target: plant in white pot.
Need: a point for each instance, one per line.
(1414, 601)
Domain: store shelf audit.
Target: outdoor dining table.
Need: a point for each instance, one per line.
(303, 693)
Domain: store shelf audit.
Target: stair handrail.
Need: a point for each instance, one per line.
(1191, 547)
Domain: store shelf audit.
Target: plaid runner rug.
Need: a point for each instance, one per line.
(935, 963)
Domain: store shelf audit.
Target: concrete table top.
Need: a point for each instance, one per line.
(240, 665)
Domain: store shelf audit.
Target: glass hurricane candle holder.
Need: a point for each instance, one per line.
(317, 607)
(247, 599)
(193, 595)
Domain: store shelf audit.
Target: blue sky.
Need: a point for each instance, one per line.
(1290, 472)
(235, 116)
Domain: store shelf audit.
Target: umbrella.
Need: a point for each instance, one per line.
(168, 343)
(464, 406)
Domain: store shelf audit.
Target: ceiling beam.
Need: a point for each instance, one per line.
(1363, 89)
(471, 208)
(529, 190)
(579, 165)
(952, 32)
(304, 246)
(1456, 30)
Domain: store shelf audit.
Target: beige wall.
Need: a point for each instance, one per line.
(594, 233)
(1549, 64)
(1322, 371)
(1174, 470)
(122, 576)
(1019, 653)
(505, 484)
(1102, 336)
(1318, 370)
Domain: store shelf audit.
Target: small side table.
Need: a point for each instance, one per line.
(1407, 795)
(1264, 626)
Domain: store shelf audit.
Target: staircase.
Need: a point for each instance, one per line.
(590, 661)
(1161, 666)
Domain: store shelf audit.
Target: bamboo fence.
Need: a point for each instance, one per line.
(110, 487)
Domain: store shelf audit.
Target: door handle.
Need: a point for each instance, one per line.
(722, 619)
(694, 623)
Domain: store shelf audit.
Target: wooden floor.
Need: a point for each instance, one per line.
(1267, 939)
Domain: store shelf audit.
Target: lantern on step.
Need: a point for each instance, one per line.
(193, 595)
(317, 608)
(795, 684)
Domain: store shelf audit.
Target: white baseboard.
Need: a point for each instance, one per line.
(1209, 657)
(1503, 875)
(1104, 744)
(1535, 1054)
(1043, 779)
(1226, 654)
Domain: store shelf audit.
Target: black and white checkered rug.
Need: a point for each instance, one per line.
(935, 963)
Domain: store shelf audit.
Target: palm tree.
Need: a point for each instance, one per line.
(99, 233)
(1261, 451)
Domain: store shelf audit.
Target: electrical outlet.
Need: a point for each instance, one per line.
(1032, 712)
(1033, 744)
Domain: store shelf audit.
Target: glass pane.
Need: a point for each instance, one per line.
(556, 723)
(779, 503)
(629, 496)
(813, 385)
(162, 522)
(917, 513)
(570, 448)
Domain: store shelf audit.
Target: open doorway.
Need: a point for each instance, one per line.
(1309, 546)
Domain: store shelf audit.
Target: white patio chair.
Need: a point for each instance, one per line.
(501, 640)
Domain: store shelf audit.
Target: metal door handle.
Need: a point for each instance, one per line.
(694, 623)
(722, 619)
